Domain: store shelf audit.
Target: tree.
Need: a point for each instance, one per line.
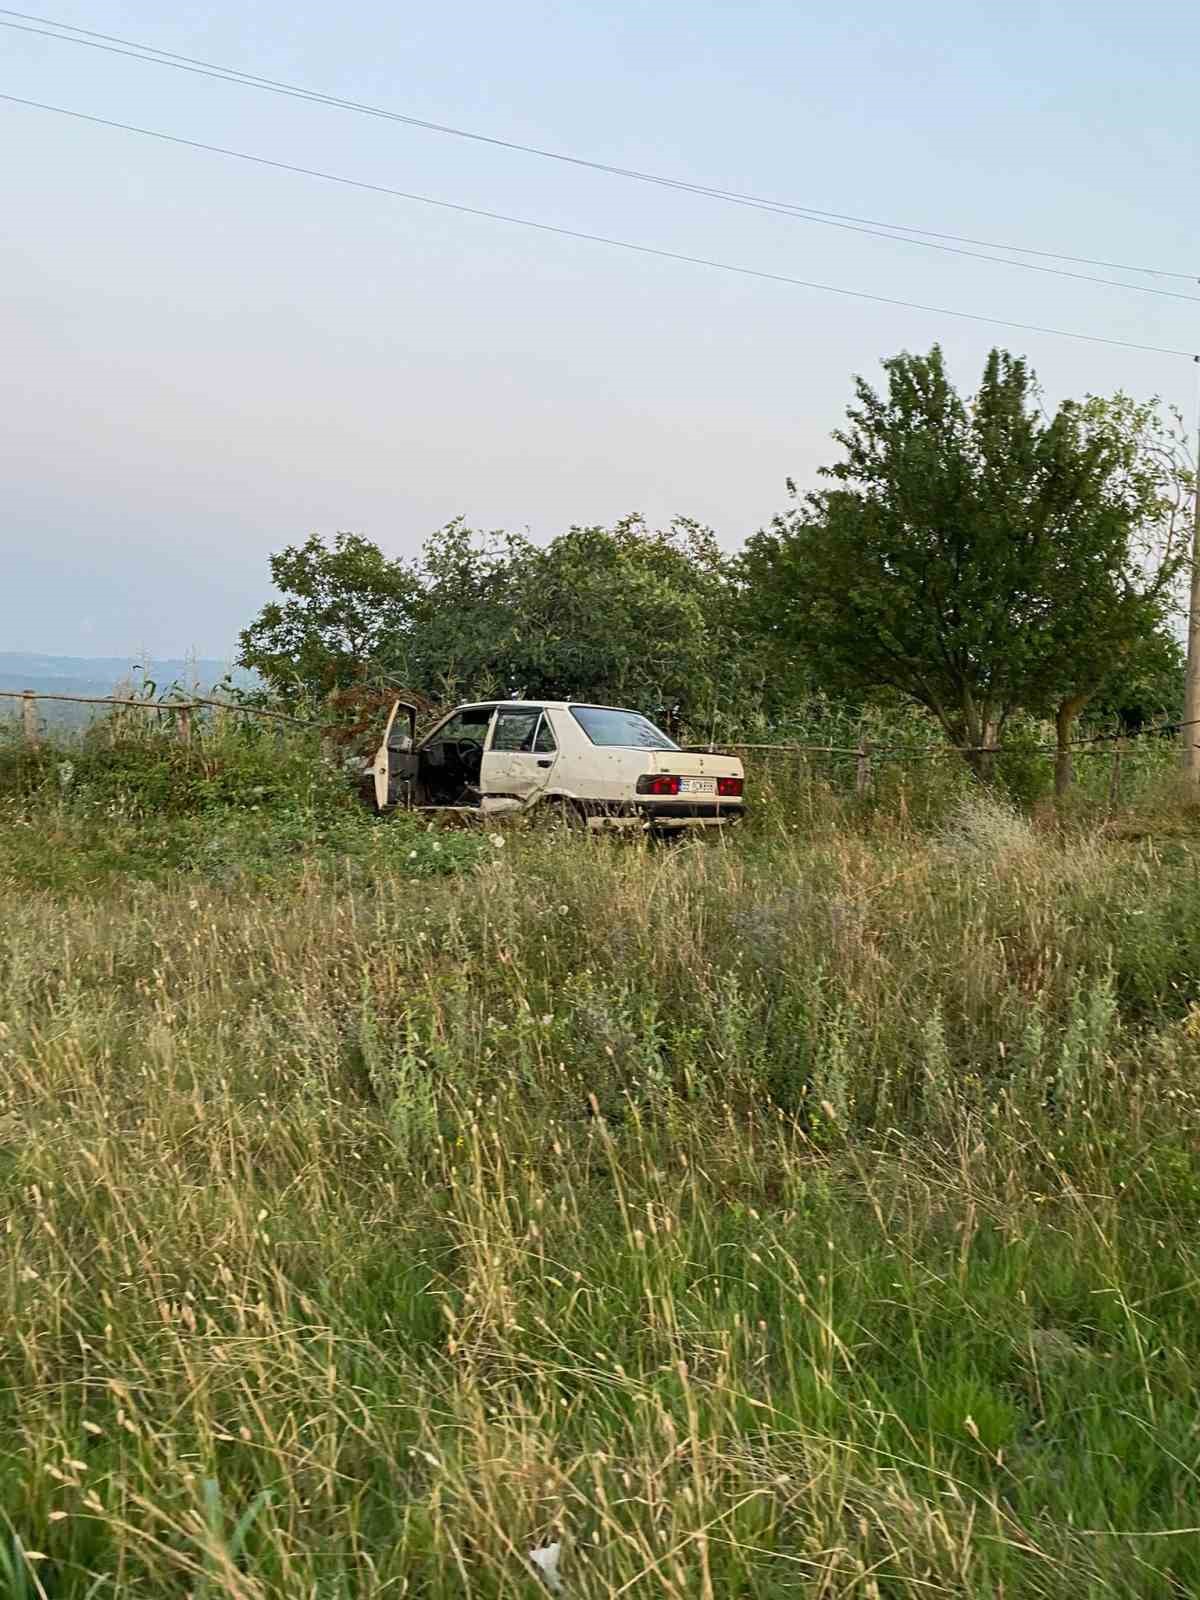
(345, 617)
(626, 614)
(975, 557)
(467, 620)
(1148, 691)
(630, 614)
(1119, 480)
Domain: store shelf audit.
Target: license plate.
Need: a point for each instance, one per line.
(697, 786)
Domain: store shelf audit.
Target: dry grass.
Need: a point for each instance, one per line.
(813, 1216)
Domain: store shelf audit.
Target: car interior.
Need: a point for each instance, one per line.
(450, 765)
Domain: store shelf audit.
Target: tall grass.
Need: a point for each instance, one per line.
(814, 1213)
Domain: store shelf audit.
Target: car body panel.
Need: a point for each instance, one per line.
(521, 754)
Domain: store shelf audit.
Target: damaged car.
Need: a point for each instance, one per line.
(589, 766)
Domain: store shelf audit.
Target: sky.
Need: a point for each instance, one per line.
(203, 360)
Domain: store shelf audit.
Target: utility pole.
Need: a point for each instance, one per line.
(1191, 697)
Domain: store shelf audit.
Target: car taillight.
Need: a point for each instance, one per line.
(658, 783)
(729, 786)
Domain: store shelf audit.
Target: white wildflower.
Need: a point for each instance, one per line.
(545, 1559)
(66, 771)
(412, 855)
(496, 842)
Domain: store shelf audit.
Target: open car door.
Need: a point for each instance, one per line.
(395, 763)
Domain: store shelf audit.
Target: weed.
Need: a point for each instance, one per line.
(814, 1213)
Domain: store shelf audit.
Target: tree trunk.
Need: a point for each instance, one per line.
(980, 755)
(1064, 769)
(982, 764)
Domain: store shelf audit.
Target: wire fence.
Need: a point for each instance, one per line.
(179, 710)
(923, 752)
(1113, 743)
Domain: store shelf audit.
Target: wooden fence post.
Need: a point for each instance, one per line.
(1114, 782)
(862, 768)
(29, 718)
(183, 724)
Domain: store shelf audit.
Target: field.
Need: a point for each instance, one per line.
(812, 1214)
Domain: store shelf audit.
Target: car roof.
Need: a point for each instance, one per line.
(546, 705)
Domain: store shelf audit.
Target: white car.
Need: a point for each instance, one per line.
(598, 767)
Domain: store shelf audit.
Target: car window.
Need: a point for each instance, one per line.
(515, 729)
(544, 741)
(470, 723)
(627, 730)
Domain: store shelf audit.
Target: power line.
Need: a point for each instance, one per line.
(113, 44)
(592, 238)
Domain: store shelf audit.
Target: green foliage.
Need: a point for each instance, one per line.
(140, 773)
(974, 557)
(1024, 771)
(243, 803)
(1147, 690)
(630, 615)
(346, 613)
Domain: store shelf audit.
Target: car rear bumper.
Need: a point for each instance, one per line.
(670, 817)
(658, 811)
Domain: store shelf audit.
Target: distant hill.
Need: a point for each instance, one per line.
(100, 675)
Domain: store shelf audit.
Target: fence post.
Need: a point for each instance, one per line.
(29, 719)
(184, 724)
(1114, 782)
(862, 769)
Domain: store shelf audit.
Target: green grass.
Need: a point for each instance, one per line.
(812, 1214)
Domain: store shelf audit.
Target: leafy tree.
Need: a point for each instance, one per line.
(345, 617)
(467, 622)
(627, 614)
(1119, 485)
(1149, 689)
(975, 557)
(630, 614)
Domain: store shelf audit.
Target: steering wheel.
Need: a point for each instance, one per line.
(464, 746)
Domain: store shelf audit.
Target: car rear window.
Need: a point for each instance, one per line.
(625, 730)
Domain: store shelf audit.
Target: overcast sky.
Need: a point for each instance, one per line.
(202, 360)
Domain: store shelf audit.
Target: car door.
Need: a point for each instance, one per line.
(394, 764)
(521, 754)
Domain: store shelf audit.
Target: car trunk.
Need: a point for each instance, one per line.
(694, 763)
